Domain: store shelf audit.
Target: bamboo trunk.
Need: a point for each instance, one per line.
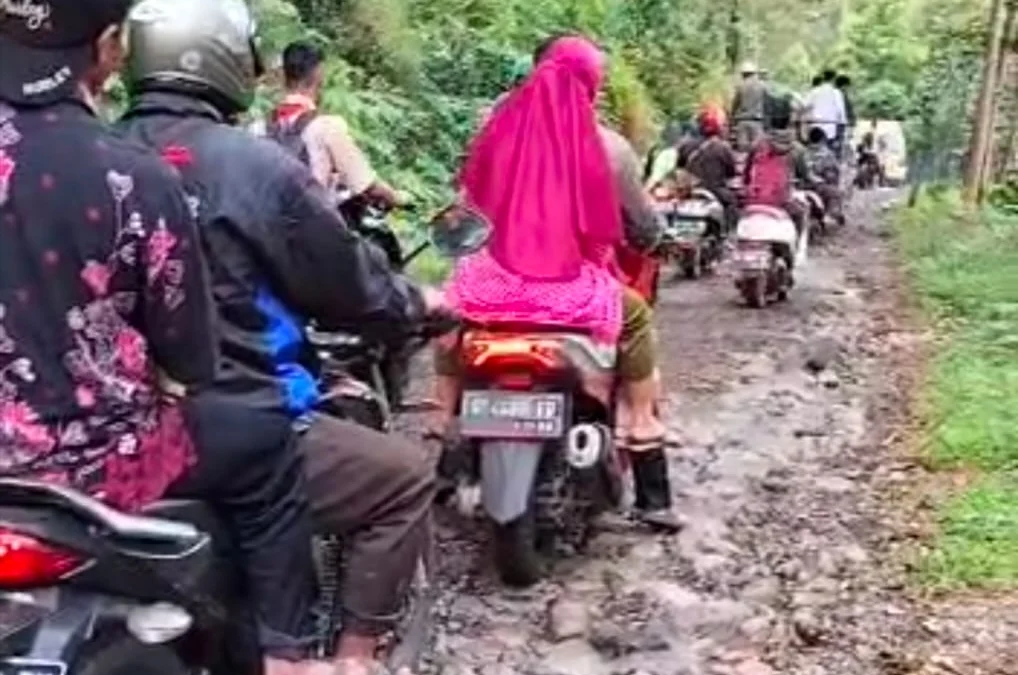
(991, 165)
(983, 134)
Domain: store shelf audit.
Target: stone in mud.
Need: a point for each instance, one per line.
(498, 669)
(829, 379)
(753, 667)
(757, 630)
(821, 353)
(612, 640)
(574, 657)
(456, 669)
(790, 569)
(808, 627)
(567, 619)
(765, 591)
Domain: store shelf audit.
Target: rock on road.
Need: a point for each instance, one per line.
(789, 564)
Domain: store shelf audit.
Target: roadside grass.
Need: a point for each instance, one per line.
(964, 270)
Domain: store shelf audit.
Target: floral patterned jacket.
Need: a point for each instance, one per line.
(102, 292)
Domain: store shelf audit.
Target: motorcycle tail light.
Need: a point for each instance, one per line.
(512, 355)
(753, 245)
(27, 563)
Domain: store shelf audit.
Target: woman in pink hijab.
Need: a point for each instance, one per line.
(540, 171)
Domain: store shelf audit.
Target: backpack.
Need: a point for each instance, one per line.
(291, 136)
(770, 180)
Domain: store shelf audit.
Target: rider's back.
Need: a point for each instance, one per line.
(750, 98)
(712, 162)
(769, 174)
(241, 186)
(100, 281)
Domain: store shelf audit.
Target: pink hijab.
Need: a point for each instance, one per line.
(539, 170)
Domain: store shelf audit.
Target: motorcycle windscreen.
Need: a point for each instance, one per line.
(508, 470)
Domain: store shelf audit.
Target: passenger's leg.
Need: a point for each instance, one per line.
(637, 366)
(641, 388)
(375, 491)
(249, 470)
(447, 384)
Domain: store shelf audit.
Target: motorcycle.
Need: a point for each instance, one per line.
(767, 250)
(357, 360)
(88, 590)
(534, 421)
(693, 234)
(812, 204)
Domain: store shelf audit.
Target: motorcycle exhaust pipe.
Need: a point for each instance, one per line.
(587, 445)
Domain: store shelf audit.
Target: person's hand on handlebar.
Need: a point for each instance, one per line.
(434, 300)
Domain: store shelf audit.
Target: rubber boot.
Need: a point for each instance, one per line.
(654, 491)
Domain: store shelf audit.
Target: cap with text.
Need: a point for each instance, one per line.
(46, 45)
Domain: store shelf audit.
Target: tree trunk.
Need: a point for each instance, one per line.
(991, 165)
(983, 134)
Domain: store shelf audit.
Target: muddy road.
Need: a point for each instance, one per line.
(792, 559)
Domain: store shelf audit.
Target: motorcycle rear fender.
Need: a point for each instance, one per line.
(595, 362)
(770, 226)
(69, 624)
(508, 473)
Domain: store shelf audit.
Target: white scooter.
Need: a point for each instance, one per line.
(767, 250)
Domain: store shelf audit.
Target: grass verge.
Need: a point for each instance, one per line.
(964, 269)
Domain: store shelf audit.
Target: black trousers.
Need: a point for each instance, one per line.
(250, 472)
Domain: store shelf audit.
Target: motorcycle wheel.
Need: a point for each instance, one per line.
(783, 275)
(692, 266)
(516, 557)
(126, 656)
(754, 291)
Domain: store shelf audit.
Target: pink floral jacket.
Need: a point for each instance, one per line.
(101, 281)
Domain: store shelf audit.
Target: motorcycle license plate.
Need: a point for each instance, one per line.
(512, 414)
(688, 229)
(31, 667)
(754, 260)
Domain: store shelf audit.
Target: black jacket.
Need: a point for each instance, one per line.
(279, 255)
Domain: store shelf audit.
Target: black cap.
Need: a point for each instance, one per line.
(46, 45)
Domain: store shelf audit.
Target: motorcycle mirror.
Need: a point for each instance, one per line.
(458, 231)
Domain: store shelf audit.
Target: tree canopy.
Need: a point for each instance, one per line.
(411, 75)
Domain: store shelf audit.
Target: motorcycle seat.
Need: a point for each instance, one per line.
(518, 327)
(136, 528)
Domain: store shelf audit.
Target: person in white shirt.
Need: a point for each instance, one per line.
(825, 107)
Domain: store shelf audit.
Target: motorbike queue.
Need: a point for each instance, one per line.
(214, 487)
(780, 177)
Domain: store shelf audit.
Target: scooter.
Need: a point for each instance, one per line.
(767, 250)
(88, 590)
(535, 424)
(693, 235)
(535, 416)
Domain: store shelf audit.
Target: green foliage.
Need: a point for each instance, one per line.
(1004, 196)
(412, 75)
(979, 540)
(966, 275)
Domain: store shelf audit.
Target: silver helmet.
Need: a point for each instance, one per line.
(205, 48)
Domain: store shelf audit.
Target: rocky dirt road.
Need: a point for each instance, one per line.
(797, 497)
